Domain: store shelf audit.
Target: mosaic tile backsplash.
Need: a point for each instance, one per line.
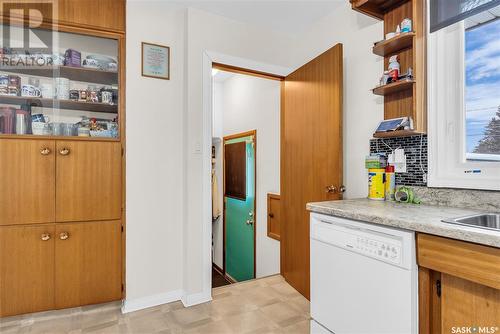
(416, 158)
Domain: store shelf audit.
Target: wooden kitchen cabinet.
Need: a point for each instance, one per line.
(104, 14)
(88, 181)
(26, 269)
(28, 181)
(459, 285)
(96, 14)
(468, 304)
(88, 263)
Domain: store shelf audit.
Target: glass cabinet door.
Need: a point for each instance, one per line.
(58, 84)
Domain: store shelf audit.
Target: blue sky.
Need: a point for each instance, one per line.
(482, 92)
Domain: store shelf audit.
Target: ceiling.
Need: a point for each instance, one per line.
(284, 16)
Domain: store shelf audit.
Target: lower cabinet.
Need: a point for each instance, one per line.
(459, 286)
(26, 269)
(57, 266)
(468, 304)
(87, 263)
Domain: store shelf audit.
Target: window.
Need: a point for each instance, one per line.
(464, 100)
(482, 90)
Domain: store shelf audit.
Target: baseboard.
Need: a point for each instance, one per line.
(150, 301)
(218, 269)
(196, 298)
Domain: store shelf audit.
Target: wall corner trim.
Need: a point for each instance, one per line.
(196, 298)
(150, 301)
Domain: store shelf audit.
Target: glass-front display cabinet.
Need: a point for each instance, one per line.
(58, 84)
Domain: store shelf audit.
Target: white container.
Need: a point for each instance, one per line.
(62, 88)
(47, 90)
(21, 124)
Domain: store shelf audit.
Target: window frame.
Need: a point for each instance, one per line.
(448, 165)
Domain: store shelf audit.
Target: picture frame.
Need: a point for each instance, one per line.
(155, 60)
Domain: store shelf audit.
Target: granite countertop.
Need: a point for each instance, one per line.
(415, 217)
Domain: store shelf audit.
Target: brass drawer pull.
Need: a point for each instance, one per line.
(64, 235)
(45, 236)
(64, 151)
(45, 151)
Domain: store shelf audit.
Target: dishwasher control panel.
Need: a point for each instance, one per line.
(378, 249)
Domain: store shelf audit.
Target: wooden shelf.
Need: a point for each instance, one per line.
(41, 137)
(398, 133)
(395, 44)
(72, 73)
(60, 104)
(394, 87)
(375, 8)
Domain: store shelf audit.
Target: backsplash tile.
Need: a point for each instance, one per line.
(416, 157)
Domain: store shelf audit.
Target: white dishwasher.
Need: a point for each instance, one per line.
(364, 278)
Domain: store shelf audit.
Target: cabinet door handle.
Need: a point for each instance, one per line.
(45, 236)
(331, 189)
(45, 151)
(64, 235)
(64, 151)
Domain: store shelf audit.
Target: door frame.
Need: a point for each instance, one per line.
(224, 139)
(209, 58)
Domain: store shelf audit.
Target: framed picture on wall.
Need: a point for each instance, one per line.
(155, 61)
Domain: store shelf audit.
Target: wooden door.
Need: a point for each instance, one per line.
(28, 181)
(26, 269)
(88, 181)
(311, 155)
(468, 304)
(88, 263)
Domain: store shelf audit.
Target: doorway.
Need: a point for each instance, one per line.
(310, 135)
(244, 105)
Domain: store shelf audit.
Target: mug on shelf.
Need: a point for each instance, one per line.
(31, 91)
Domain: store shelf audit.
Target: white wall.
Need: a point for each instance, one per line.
(154, 152)
(243, 103)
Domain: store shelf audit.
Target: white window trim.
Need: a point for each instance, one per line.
(448, 166)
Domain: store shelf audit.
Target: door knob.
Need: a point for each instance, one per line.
(45, 151)
(331, 189)
(64, 151)
(342, 189)
(271, 215)
(45, 236)
(249, 222)
(64, 235)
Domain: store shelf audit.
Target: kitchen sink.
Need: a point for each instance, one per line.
(489, 221)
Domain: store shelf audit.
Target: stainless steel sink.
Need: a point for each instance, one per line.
(489, 221)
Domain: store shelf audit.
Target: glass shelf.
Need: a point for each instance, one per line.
(67, 89)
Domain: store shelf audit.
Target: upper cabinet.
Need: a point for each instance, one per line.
(105, 14)
(60, 84)
(94, 14)
(403, 82)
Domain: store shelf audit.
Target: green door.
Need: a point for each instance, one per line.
(240, 215)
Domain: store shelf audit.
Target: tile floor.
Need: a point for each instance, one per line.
(267, 305)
